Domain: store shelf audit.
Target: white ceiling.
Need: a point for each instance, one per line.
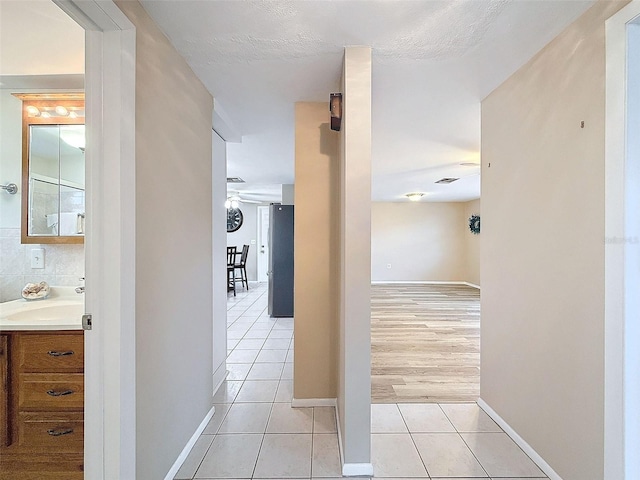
(433, 62)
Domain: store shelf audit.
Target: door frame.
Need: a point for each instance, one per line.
(622, 233)
(262, 276)
(110, 56)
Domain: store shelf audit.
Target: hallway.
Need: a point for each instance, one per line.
(256, 434)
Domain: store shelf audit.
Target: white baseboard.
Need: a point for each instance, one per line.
(351, 469)
(187, 448)
(357, 470)
(340, 448)
(313, 402)
(416, 282)
(472, 285)
(219, 376)
(528, 449)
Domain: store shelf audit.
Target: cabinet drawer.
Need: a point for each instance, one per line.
(60, 432)
(51, 353)
(51, 391)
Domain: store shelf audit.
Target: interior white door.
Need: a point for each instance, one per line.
(263, 243)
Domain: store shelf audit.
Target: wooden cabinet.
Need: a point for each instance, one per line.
(43, 404)
(4, 391)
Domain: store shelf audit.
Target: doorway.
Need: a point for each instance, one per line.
(622, 245)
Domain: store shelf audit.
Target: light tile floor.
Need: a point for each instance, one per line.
(256, 434)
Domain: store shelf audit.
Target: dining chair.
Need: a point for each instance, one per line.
(231, 262)
(242, 266)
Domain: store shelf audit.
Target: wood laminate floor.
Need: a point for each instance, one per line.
(425, 343)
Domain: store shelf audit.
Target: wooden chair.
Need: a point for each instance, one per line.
(242, 266)
(231, 262)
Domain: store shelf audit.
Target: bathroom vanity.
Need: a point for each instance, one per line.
(41, 390)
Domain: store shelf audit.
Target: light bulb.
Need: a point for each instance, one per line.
(73, 115)
(227, 204)
(33, 111)
(45, 115)
(62, 111)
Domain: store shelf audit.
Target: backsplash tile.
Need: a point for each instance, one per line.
(64, 264)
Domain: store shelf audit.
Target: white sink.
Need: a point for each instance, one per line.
(61, 310)
(51, 311)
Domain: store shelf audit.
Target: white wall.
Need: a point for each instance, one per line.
(542, 249)
(219, 236)
(174, 327)
(37, 38)
(247, 233)
(354, 356)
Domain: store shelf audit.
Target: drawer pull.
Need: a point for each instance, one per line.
(59, 432)
(53, 353)
(59, 393)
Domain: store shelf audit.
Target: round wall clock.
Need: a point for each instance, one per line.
(474, 224)
(234, 219)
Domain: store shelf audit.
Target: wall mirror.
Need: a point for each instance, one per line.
(53, 168)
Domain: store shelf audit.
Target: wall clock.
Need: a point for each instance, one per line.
(234, 219)
(474, 224)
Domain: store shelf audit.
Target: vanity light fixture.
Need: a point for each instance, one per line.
(45, 115)
(414, 196)
(73, 114)
(62, 111)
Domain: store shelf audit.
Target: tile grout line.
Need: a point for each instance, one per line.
(413, 441)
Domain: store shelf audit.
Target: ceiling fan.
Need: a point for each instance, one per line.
(234, 199)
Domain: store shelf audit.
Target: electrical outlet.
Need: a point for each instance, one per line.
(389, 266)
(37, 258)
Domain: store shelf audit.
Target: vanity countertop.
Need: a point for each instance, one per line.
(61, 310)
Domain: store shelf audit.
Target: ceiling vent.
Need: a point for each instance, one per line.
(447, 180)
(234, 180)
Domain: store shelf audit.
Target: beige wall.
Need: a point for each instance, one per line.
(173, 249)
(316, 253)
(472, 243)
(543, 248)
(354, 359)
(421, 241)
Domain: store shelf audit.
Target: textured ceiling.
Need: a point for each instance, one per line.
(433, 62)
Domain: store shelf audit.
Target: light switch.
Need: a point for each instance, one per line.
(37, 258)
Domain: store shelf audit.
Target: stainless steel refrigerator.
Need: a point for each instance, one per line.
(281, 260)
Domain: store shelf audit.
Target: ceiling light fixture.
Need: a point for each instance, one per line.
(414, 196)
(231, 203)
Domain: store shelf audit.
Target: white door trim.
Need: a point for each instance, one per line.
(621, 309)
(262, 268)
(110, 432)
